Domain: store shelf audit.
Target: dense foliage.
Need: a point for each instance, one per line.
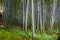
(18, 34)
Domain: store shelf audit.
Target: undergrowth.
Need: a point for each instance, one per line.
(18, 34)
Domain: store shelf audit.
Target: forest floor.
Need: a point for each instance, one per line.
(18, 34)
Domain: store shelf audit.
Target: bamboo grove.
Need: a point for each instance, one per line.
(36, 15)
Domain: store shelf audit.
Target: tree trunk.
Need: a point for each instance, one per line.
(33, 21)
(26, 15)
(53, 17)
